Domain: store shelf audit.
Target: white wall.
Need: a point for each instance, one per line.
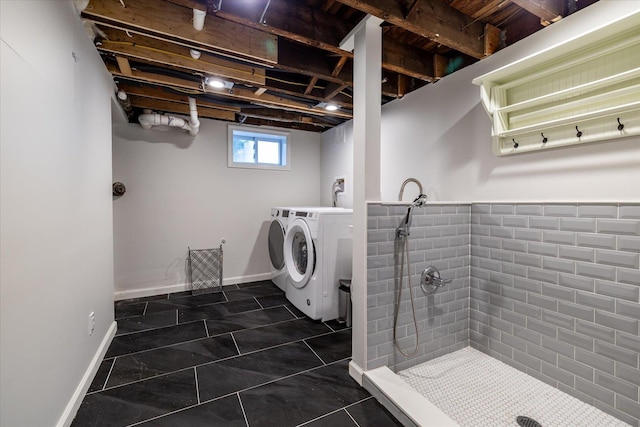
(441, 135)
(337, 161)
(55, 211)
(180, 193)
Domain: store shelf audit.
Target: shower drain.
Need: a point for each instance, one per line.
(527, 422)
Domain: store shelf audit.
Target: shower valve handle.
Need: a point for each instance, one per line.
(430, 280)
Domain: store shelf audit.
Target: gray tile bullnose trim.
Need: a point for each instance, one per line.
(552, 289)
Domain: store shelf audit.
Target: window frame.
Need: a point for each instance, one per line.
(258, 130)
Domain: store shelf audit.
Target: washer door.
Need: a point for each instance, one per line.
(276, 244)
(299, 253)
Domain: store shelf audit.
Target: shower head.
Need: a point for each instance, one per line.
(420, 201)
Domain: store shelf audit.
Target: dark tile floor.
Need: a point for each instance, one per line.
(243, 357)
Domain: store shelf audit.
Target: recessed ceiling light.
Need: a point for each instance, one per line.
(216, 83)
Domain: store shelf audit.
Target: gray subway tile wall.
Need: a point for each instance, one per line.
(583, 277)
(552, 289)
(440, 237)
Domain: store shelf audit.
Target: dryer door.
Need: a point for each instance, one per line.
(276, 244)
(299, 253)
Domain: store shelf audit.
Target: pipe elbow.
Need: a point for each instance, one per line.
(145, 120)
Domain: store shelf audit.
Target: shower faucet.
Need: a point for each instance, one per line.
(430, 280)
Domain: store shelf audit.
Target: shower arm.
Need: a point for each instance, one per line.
(406, 181)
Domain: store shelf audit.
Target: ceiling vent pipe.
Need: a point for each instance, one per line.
(148, 119)
(198, 19)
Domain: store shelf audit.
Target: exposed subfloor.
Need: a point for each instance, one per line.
(243, 357)
(475, 389)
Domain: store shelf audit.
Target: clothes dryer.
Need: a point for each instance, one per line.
(317, 254)
(277, 231)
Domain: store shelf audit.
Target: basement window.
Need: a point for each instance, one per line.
(258, 148)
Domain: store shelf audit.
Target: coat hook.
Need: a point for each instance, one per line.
(620, 125)
(515, 144)
(544, 138)
(579, 134)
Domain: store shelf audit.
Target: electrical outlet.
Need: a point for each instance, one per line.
(92, 323)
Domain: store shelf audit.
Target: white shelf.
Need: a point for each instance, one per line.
(588, 84)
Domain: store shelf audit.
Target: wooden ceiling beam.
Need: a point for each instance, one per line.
(440, 66)
(302, 23)
(403, 85)
(163, 52)
(123, 64)
(309, 26)
(336, 70)
(433, 19)
(282, 116)
(288, 125)
(317, 94)
(165, 95)
(180, 108)
(237, 93)
(317, 64)
(332, 90)
(309, 61)
(171, 20)
(547, 10)
(311, 85)
(408, 59)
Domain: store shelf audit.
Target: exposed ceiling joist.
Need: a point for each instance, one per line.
(164, 94)
(433, 19)
(281, 60)
(123, 64)
(173, 21)
(165, 53)
(237, 94)
(283, 116)
(306, 25)
(547, 10)
(180, 108)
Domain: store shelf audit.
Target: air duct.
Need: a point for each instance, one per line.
(149, 119)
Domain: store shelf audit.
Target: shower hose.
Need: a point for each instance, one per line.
(405, 240)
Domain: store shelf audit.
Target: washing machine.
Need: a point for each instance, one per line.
(277, 231)
(317, 254)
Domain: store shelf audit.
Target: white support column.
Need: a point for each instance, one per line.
(367, 98)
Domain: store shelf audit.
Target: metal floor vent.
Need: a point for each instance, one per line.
(527, 422)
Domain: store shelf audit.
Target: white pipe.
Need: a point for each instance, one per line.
(198, 19)
(193, 112)
(155, 119)
(148, 119)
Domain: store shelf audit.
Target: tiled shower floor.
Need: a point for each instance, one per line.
(243, 357)
(475, 389)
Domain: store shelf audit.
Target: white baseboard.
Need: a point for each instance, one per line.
(356, 372)
(246, 279)
(147, 292)
(168, 289)
(76, 399)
